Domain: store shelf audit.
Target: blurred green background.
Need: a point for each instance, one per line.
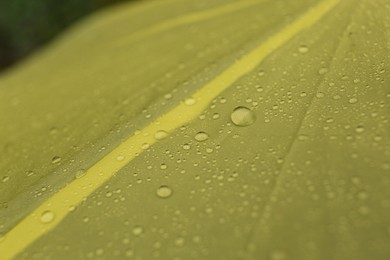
(26, 25)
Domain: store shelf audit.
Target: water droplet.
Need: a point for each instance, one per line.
(145, 146)
(386, 166)
(322, 71)
(242, 116)
(303, 49)
(356, 81)
(47, 216)
(186, 147)
(129, 253)
(201, 136)
(5, 179)
(189, 101)
(137, 230)
(209, 150)
(362, 195)
(330, 120)
(163, 166)
(353, 100)
(30, 173)
(99, 251)
(164, 192)
(179, 241)
(120, 158)
(53, 131)
(56, 160)
(364, 210)
(161, 134)
(359, 129)
(278, 255)
(80, 173)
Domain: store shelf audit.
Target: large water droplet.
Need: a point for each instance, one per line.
(242, 116)
(164, 192)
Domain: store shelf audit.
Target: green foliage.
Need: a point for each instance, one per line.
(291, 161)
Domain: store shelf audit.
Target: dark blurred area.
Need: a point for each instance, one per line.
(26, 25)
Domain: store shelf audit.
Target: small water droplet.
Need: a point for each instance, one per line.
(353, 100)
(278, 255)
(209, 150)
(5, 179)
(80, 173)
(56, 160)
(99, 251)
(303, 49)
(47, 216)
(120, 158)
(30, 173)
(137, 230)
(322, 71)
(242, 116)
(164, 192)
(145, 146)
(330, 120)
(53, 131)
(163, 166)
(362, 195)
(186, 147)
(359, 129)
(189, 101)
(161, 134)
(129, 253)
(201, 136)
(364, 210)
(179, 241)
(386, 166)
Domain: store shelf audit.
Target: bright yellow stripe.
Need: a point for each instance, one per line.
(187, 19)
(31, 228)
